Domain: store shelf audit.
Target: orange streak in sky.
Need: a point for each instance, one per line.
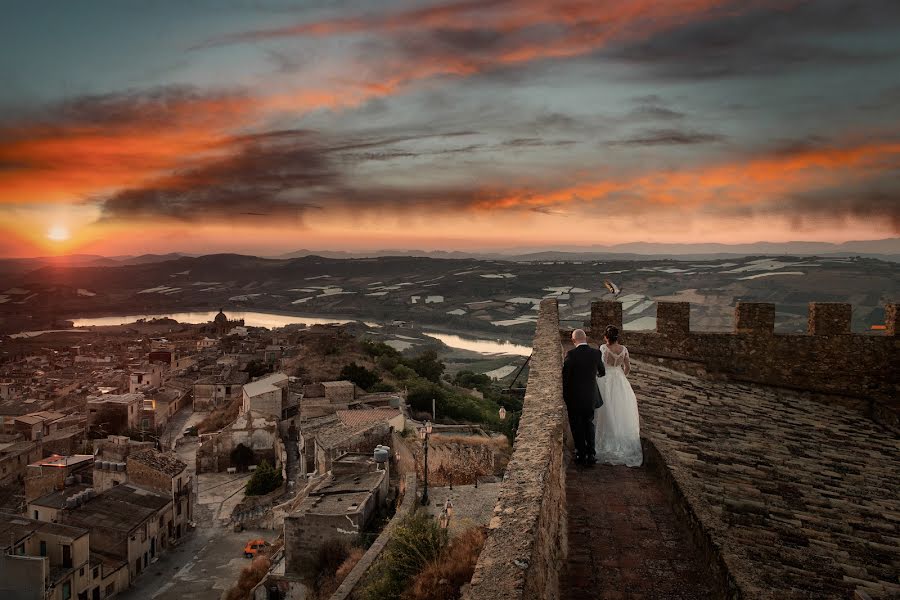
(68, 161)
(758, 180)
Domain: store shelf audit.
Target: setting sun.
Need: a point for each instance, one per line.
(58, 233)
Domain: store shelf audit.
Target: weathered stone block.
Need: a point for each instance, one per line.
(754, 317)
(890, 319)
(603, 313)
(673, 317)
(829, 318)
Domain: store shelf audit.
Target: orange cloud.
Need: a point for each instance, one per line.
(759, 180)
(92, 152)
(568, 28)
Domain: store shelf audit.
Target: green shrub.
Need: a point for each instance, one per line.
(383, 386)
(427, 365)
(403, 373)
(472, 380)
(416, 541)
(265, 479)
(360, 375)
(379, 349)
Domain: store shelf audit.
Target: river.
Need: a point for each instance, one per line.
(269, 320)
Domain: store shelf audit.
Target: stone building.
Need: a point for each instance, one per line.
(16, 456)
(49, 507)
(257, 431)
(266, 396)
(218, 390)
(55, 472)
(165, 473)
(116, 448)
(148, 376)
(159, 406)
(36, 425)
(47, 561)
(339, 508)
(129, 525)
(114, 414)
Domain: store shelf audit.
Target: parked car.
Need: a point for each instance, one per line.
(253, 547)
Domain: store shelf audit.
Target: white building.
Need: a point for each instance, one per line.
(266, 395)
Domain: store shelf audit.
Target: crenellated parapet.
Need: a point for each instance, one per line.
(829, 358)
(829, 318)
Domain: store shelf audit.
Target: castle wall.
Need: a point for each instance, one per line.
(828, 359)
(528, 541)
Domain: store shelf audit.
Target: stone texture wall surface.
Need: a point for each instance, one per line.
(829, 359)
(527, 543)
(800, 499)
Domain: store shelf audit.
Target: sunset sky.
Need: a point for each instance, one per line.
(269, 126)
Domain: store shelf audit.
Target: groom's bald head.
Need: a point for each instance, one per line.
(579, 336)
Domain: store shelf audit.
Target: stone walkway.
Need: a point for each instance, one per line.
(625, 540)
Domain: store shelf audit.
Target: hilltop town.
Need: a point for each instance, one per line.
(168, 457)
(365, 460)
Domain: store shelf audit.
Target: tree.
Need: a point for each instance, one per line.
(360, 375)
(472, 380)
(264, 480)
(242, 457)
(427, 365)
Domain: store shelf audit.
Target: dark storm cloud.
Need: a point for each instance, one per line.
(276, 177)
(767, 41)
(669, 137)
(877, 200)
(163, 106)
(287, 173)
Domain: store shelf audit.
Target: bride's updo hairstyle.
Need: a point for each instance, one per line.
(612, 334)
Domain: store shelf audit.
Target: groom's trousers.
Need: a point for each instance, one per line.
(582, 426)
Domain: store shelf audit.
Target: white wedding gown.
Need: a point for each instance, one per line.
(618, 438)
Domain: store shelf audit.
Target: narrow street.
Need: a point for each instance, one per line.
(209, 560)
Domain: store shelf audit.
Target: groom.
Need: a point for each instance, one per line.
(581, 368)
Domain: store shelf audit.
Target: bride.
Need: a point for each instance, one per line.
(618, 423)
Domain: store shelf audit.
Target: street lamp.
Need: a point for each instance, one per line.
(424, 432)
(502, 413)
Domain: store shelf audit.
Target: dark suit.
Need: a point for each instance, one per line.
(581, 368)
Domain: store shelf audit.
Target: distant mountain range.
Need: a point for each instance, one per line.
(23, 265)
(885, 249)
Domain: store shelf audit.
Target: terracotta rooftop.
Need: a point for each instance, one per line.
(363, 417)
(166, 463)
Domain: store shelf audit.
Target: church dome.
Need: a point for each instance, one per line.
(221, 319)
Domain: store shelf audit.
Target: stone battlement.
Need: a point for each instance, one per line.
(828, 359)
(522, 556)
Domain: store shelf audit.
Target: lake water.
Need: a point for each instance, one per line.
(482, 346)
(260, 319)
(251, 319)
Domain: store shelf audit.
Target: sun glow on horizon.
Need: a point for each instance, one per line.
(58, 233)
